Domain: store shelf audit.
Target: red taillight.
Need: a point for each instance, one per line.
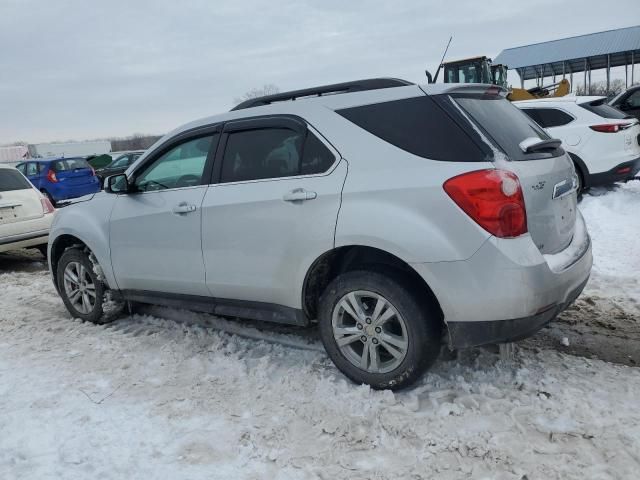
(46, 206)
(51, 176)
(624, 170)
(493, 199)
(609, 127)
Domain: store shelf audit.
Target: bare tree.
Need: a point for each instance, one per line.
(267, 89)
(600, 88)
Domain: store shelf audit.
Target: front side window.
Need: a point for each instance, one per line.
(181, 166)
(32, 169)
(121, 162)
(634, 100)
(22, 168)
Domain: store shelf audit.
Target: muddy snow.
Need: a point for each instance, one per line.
(170, 394)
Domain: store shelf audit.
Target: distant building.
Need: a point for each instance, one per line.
(13, 154)
(72, 149)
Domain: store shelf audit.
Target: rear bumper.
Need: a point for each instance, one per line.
(507, 290)
(469, 334)
(620, 173)
(24, 240)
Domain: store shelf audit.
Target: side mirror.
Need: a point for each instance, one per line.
(116, 184)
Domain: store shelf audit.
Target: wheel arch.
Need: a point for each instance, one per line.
(65, 241)
(354, 257)
(583, 170)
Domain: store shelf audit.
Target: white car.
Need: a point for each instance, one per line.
(25, 214)
(603, 142)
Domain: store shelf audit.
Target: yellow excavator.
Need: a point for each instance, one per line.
(482, 70)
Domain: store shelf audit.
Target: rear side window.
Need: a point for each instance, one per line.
(504, 123)
(69, 164)
(548, 117)
(12, 180)
(316, 157)
(417, 125)
(600, 108)
(273, 153)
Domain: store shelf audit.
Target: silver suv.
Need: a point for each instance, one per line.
(398, 217)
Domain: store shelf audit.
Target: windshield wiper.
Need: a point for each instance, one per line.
(534, 144)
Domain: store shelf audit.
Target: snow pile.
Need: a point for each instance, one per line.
(147, 397)
(614, 225)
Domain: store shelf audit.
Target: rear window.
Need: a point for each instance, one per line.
(505, 124)
(12, 180)
(600, 108)
(549, 117)
(69, 164)
(417, 125)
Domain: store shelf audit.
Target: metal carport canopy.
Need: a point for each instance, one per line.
(612, 48)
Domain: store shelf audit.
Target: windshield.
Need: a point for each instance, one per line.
(600, 108)
(69, 164)
(504, 123)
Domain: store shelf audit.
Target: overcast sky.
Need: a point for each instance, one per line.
(72, 69)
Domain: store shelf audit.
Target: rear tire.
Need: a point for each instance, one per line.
(82, 291)
(376, 331)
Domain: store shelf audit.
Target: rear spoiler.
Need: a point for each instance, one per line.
(465, 88)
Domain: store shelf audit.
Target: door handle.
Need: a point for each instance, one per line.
(299, 195)
(184, 207)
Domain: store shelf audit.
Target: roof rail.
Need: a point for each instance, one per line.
(346, 87)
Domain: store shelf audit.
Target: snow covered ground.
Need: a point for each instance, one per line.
(174, 395)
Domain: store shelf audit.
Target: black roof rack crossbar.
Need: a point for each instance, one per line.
(346, 87)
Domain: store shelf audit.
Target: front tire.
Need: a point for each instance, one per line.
(82, 291)
(376, 331)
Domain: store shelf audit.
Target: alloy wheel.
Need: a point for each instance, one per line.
(79, 287)
(369, 331)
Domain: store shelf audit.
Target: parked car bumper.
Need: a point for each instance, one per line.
(620, 173)
(507, 290)
(24, 240)
(68, 192)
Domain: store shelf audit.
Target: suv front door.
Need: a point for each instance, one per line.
(155, 230)
(271, 211)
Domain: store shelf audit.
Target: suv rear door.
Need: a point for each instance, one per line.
(271, 211)
(547, 176)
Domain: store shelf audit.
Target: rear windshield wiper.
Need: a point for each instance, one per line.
(534, 144)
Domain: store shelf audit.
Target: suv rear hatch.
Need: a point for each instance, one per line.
(545, 172)
(622, 130)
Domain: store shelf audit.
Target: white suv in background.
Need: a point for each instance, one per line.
(603, 142)
(25, 214)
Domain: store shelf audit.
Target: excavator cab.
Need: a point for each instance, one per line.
(499, 75)
(470, 70)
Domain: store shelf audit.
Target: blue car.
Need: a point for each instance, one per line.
(61, 178)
